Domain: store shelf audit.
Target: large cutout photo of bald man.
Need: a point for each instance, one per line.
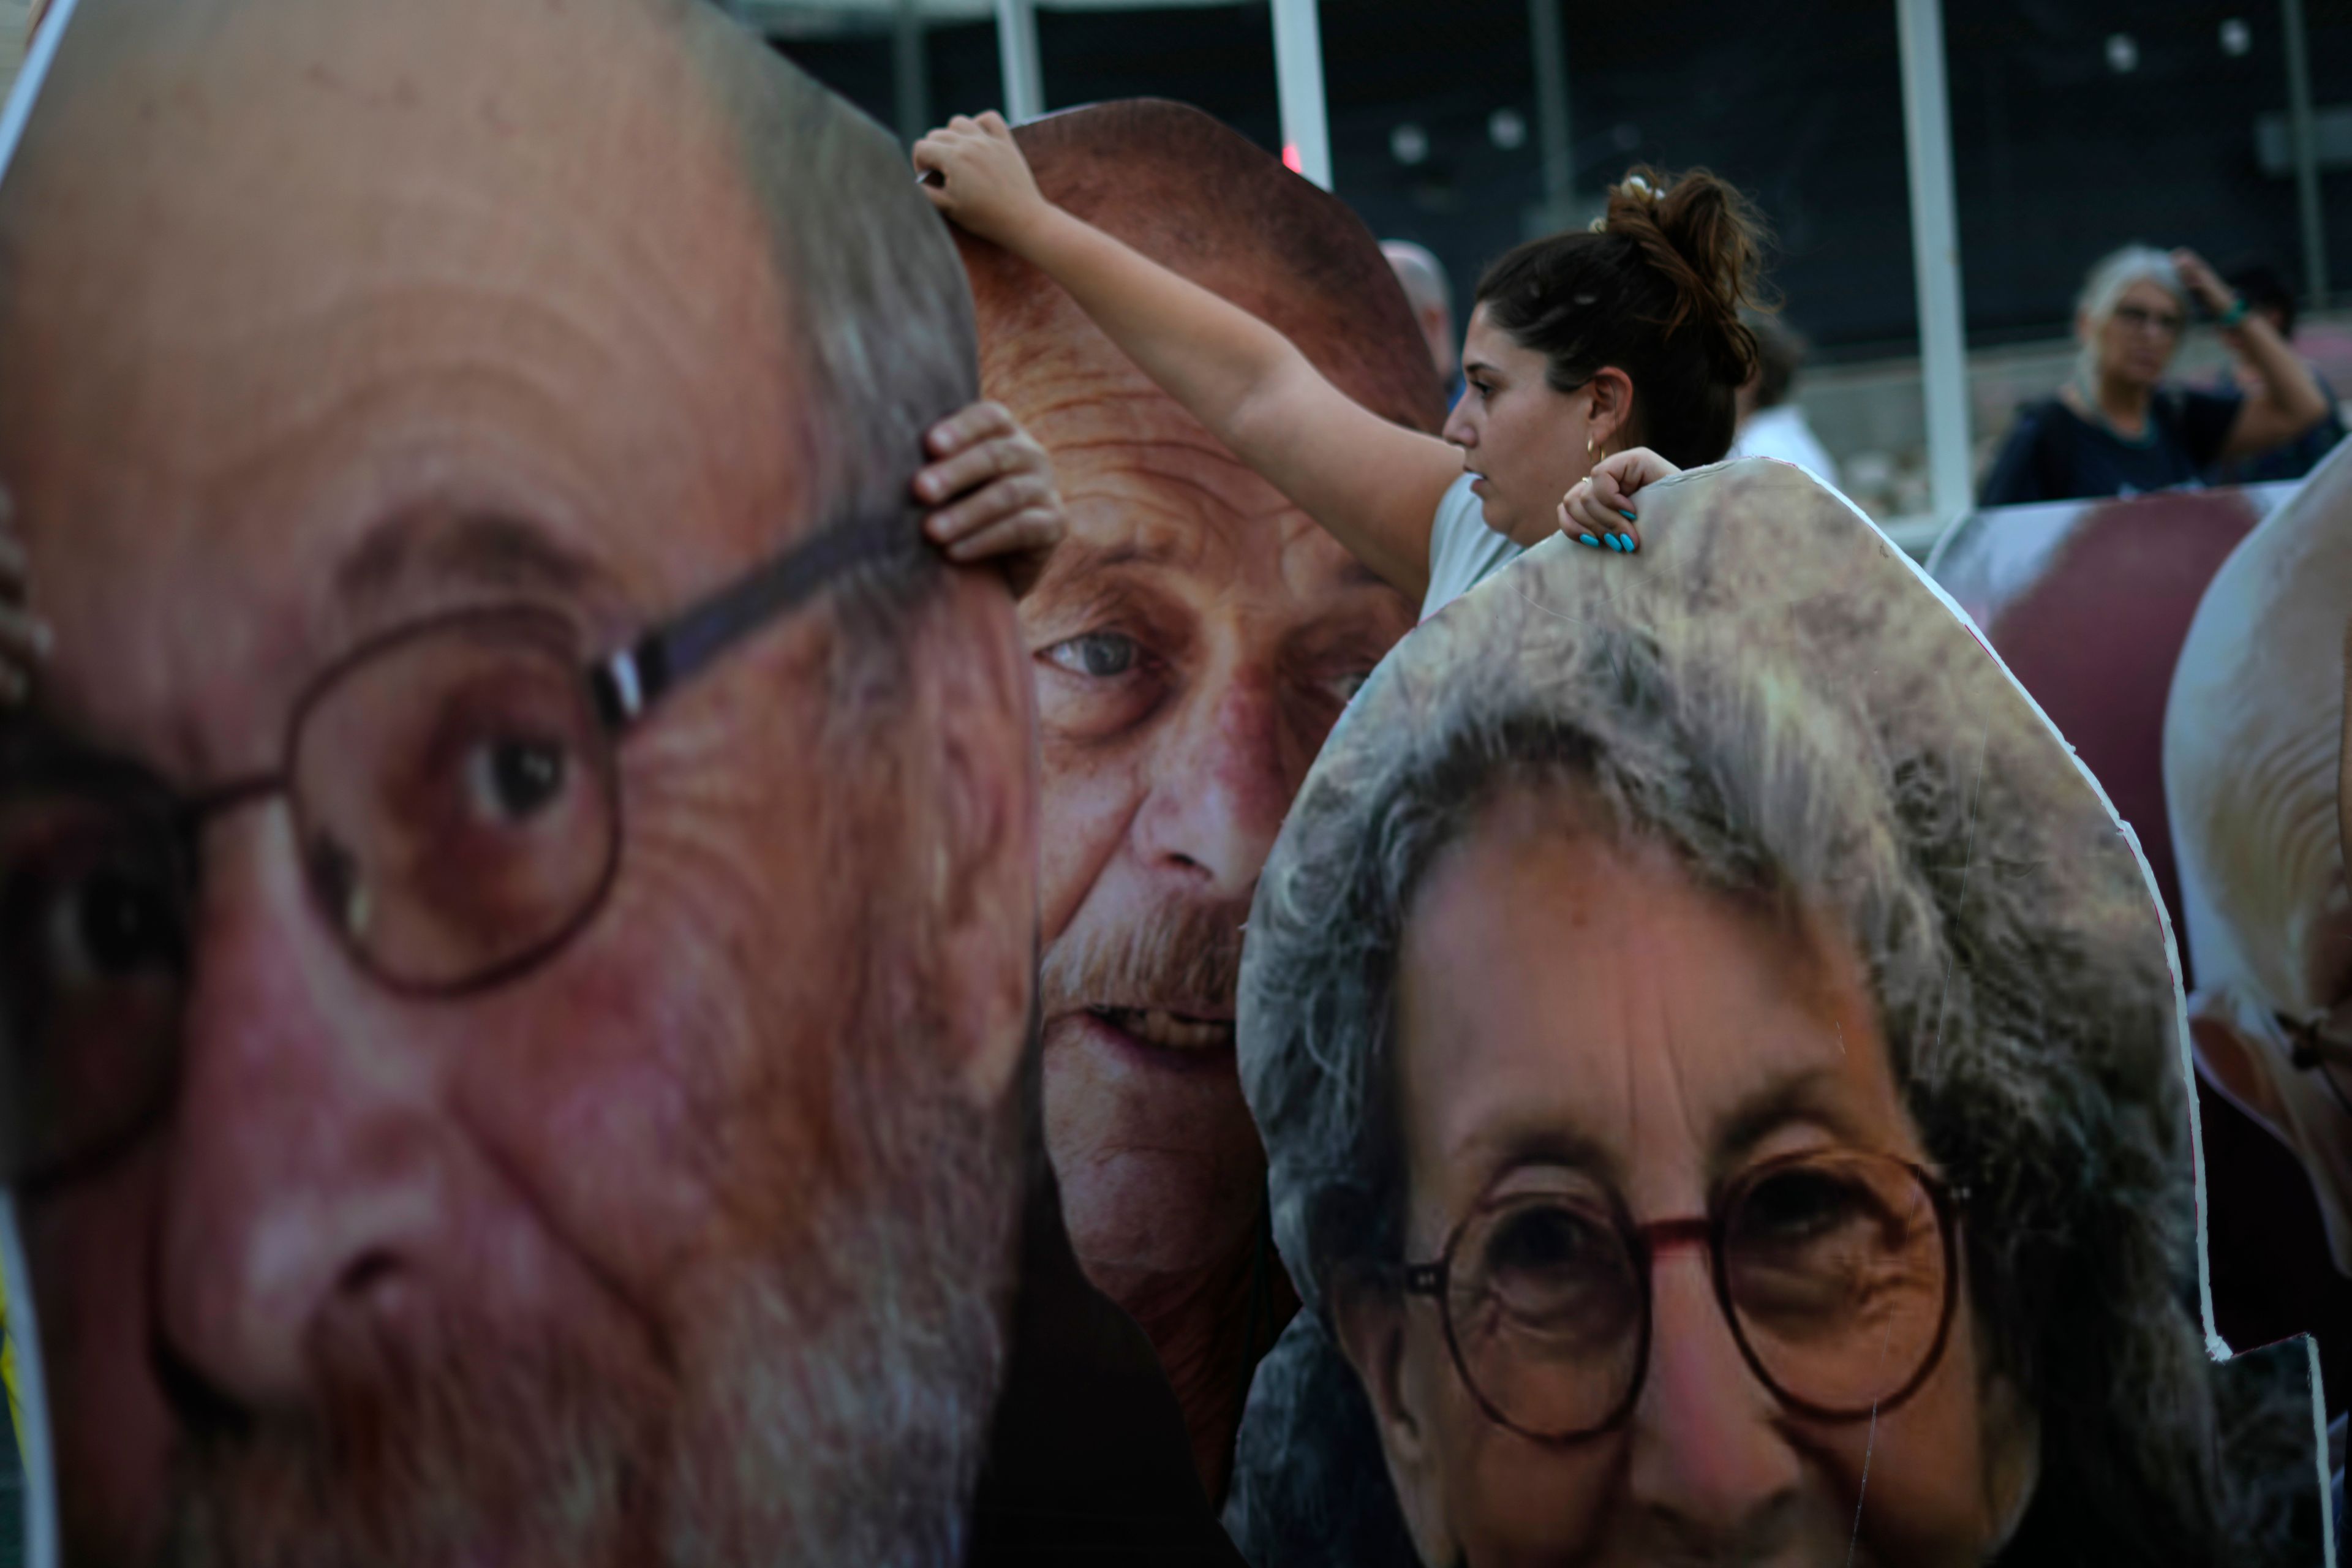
(1192, 642)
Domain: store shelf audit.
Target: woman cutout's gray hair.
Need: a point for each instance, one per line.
(1778, 701)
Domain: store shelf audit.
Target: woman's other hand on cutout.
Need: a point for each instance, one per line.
(1599, 510)
(990, 492)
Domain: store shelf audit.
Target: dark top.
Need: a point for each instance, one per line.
(2055, 454)
(1088, 1462)
(2295, 459)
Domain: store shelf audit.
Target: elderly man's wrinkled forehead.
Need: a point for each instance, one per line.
(1040, 354)
(1198, 197)
(2252, 732)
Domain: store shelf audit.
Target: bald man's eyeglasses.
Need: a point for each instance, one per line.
(1838, 1272)
(2324, 1045)
(455, 796)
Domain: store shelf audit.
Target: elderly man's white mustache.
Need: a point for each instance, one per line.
(1168, 980)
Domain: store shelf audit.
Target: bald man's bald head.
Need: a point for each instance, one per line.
(1200, 198)
(2251, 736)
(672, 118)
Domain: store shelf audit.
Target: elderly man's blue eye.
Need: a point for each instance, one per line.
(1099, 656)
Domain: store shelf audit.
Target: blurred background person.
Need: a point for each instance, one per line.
(2115, 428)
(1770, 426)
(1431, 294)
(2267, 293)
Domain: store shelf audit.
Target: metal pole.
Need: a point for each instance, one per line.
(1551, 110)
(910, 70)
(1016, 53)
(1936, 256)
(1298, 82)
(2305, 137)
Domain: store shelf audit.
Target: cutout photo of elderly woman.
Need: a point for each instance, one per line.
(1721, 1078)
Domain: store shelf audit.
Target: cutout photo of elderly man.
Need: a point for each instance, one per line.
(2254, 769)
(518, 892)
(1192, 642)
(1721, 1078)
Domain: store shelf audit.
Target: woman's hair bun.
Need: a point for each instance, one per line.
(1706, 240)
(1655, 292)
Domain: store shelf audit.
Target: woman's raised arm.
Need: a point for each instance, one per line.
(1375, 485)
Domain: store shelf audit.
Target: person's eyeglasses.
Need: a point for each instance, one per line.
(2139, 318)
(1837, 1272)
(456, 800)
(2324, 1045)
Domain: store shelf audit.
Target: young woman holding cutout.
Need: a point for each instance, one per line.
(1597, 362)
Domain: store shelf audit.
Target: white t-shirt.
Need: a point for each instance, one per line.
(1463, 550)
(1783, 433)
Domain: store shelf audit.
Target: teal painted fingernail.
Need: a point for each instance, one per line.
(1628, 516)
(1587, 539)
(1614, 543)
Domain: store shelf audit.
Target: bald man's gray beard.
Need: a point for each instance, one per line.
(828, 1407)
